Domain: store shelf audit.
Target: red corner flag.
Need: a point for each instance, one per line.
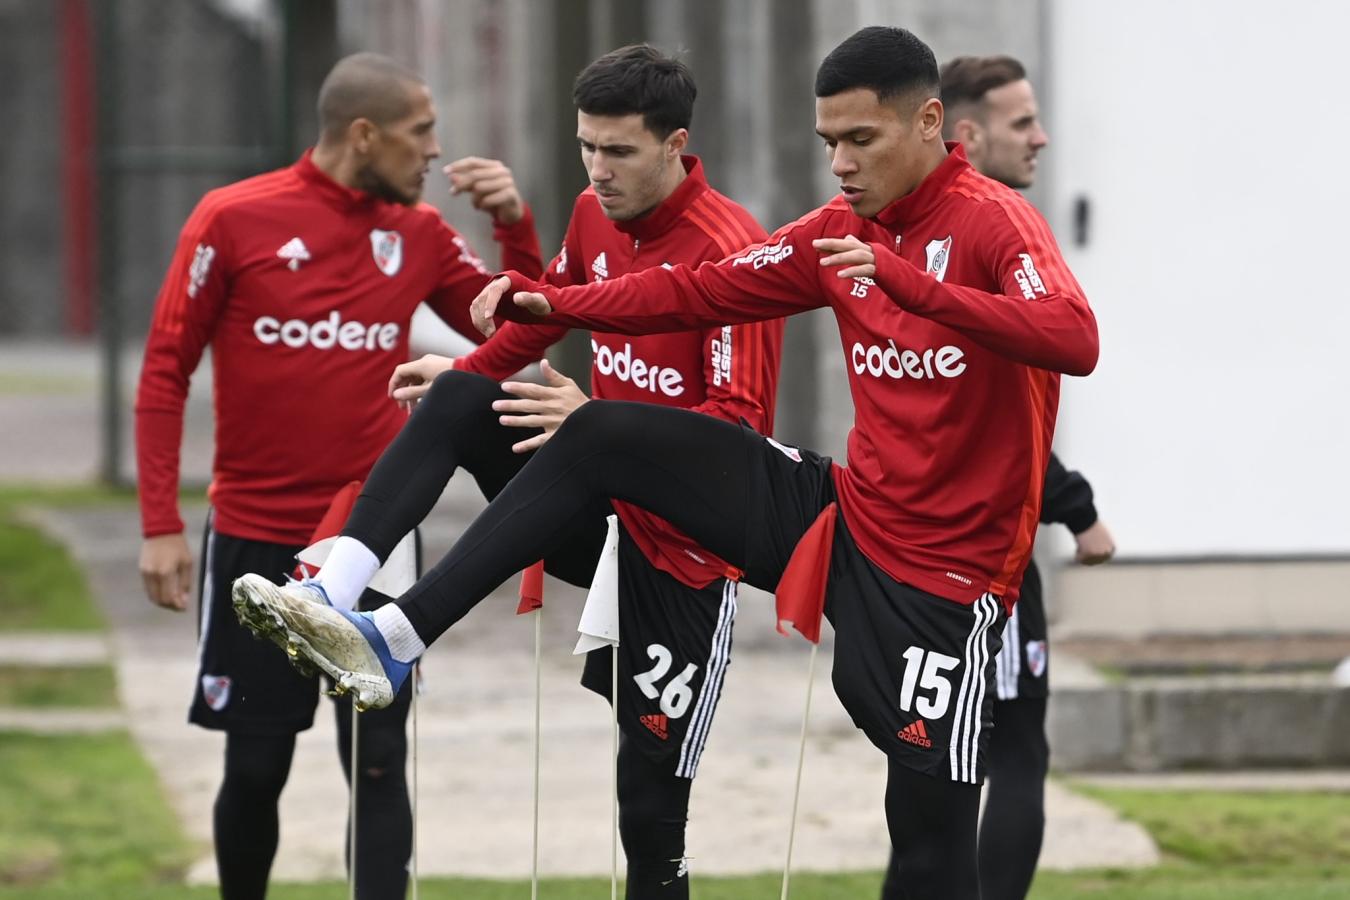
(800, 596)
(330, 526)
(531, 589)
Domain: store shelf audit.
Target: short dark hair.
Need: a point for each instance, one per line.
(364, 86)
(888, 61)
(967, 79)
(638, 79)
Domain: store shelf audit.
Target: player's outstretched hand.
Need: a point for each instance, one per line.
(490, 185)
(166, 570)
(853, 255)
(539, 405)
(411, 380)
(1095, 545)
(484, 307)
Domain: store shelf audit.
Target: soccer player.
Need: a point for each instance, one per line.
(303, 282)
(648, 206)
(991, 110)
(956, 314)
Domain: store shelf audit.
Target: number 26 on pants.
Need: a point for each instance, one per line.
(676, 696)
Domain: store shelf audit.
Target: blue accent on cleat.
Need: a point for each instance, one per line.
(395, 671)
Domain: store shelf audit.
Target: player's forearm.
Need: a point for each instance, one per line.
(655, 301)
(519, 243)
(159, 437)
(1057, 332)
(510, 349)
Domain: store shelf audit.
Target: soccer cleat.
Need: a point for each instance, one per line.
(345, 645)
(308, 590)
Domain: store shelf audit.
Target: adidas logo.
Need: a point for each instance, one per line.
(600, 267)
(656, 724)
(295, 251)
(915, 733)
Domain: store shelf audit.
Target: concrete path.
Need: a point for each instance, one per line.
(475, 750)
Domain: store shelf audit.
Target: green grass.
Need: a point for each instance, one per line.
(1223, 829)
(41, 588)
(58, 686)
(1223, 846)
(82, 813)
(1177, 882)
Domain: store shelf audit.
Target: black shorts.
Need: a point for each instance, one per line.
(914, 671)
(674, 650)
(1023, 665)
(246, 684)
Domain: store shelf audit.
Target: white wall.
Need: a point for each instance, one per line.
(1210, 138)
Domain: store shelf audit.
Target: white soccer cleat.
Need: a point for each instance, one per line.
(344, 645)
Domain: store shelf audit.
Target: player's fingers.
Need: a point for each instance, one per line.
(519, 407)
(527, 389)
(411, 393)
(500, 198)
(526, 421)
(844, 257)
(180, 597)
(486, 183)
(158, 588)
(466, 164)
(553, 376)
(533, 443)
(484, 306)
(533, 302)
(866, 271)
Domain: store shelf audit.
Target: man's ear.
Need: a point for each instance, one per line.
(928, 119)
(676, 141)
(361, 134)
(968, 133)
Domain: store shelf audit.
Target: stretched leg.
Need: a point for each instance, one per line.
(453, 426)
(688, 468)
(1014, 812)
(932, 823)
(383, 813)
(723, 485)
(653, 809)
(245, 815)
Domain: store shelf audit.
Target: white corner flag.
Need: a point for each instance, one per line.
(599, 625)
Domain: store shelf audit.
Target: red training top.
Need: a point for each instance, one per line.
(305, 290)
(952, 351)
(727, 371)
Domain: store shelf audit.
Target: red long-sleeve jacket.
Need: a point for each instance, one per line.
(723, 370)
(953, 353)
(304, 290)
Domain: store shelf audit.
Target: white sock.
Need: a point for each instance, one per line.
(346, 572)
(404, 644)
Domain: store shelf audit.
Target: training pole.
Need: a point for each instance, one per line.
(801, 758)
(614, 780)
(412, 863)
(534, 862)
(351, 827)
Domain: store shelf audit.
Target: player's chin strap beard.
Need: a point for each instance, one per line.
(371, 183)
